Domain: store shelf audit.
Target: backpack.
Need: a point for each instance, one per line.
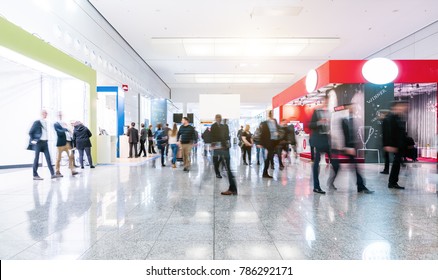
(161, 138)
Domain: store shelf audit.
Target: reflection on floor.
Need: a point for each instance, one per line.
(153, 212)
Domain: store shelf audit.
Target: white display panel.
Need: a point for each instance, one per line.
(228, 105)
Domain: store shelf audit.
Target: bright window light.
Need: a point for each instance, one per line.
(33, 64)
(380, 71)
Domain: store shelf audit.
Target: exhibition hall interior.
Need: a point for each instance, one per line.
(112, 146)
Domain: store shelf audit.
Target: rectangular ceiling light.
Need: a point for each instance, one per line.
(247, 47)
(285, 11)
(232, 78)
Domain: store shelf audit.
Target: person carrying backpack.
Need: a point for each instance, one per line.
(161, 138)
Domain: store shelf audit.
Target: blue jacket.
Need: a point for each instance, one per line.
(60, 131)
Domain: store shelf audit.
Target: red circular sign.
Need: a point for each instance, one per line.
(304, 144)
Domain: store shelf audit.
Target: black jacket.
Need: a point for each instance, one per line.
(60, 131)
(220, 134)
(395, 132)
(319, 137)
(133, 135)
(206, 136)
(35, 133)
(81, 137)
(265, 135)
(385, 129)
(348, 129)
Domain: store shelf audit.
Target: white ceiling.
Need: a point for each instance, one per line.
(155, 28)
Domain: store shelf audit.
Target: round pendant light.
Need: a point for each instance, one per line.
(380, 71)
(311, 80)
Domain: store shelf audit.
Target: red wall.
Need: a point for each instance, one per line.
(299, 113)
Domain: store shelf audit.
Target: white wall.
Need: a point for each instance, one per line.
(76, 28)
(423, 44)
(253, 95)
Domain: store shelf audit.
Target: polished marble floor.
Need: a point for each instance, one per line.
(145, 211)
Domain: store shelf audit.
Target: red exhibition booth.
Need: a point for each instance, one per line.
(363, 82)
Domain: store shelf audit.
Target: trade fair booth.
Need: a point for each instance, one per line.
(372, 85)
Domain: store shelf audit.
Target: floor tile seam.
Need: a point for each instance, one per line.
(269, 233)
(159, 234)
(11, 227)
(94, 243)
(33, 244)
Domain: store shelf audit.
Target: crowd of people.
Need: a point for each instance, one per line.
(68, 141)
(270, 138)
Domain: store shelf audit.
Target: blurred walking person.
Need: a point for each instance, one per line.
(81, 140)
(143, 137)
(247, 141)
(133, 140)
(350, 141)
(173, 135)
(186, 138)
(151, 149)
(396, 140)
(320, 126)
(39, 137)
(220, 138)
(385, 138)
(161, 138)
(64, 144)
(269, 140)
(206, 137)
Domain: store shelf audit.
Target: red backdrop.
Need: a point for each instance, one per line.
(299, 113)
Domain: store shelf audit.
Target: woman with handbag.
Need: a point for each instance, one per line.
(247, 143)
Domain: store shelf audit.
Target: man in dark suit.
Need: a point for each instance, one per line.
(220, 138)
(133, 140)
(64, 144)
(143, 138)
(320, 126)
(269, 139)
(396, 143)
(39, 136)
(350, 141)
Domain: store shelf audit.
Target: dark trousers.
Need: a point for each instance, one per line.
(312, 153)
(81, 156)
(162, 151)
(151, 149)
(132, 145)
(334, 163)
(167, 150)
(386, 158)
(42, 147)
(360, 182)
(247, 150)
(224, 154)
(269, 159)
(142, 148)
(395, 169)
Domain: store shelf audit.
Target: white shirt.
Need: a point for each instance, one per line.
(44, 135)
(172, 139)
